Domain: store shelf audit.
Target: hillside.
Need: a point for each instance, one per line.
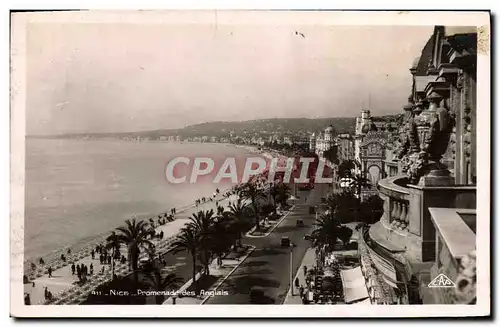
(283, 126)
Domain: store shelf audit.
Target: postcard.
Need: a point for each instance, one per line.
(227, 163)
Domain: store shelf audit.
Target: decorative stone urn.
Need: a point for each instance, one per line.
(427, 136)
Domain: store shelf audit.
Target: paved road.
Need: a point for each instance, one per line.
(269, 265)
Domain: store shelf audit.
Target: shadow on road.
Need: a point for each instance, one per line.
(256, 263)
(267, 251)
(263, 300)
(263, 271)
(293, 228)
(242, 285)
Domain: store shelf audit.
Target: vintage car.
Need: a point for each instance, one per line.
(285, 241)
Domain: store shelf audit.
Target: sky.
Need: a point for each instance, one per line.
(103, 77)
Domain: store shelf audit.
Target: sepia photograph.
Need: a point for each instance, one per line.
(250, 163)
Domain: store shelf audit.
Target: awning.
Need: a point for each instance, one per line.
(366, 301)
(390, 282)
(450, 31)
(354, 285)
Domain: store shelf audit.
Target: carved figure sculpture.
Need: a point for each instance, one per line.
(465, 284)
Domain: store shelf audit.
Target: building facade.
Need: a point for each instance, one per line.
(345, 143)
(371, 144)
(321, 142)
(427, 232)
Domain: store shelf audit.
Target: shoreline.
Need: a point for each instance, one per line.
(53, 258)
(83, 246)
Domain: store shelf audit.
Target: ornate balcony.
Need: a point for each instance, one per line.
(406, 224)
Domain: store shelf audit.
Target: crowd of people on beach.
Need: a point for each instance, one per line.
(83, 271)
(213, 198)
(207, 199)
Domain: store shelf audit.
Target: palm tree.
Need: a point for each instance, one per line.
(220, 210)
(161, 283)
(345, 168)
(203, 222)
(188, 240)
(223, 236)
(332, 202)
(254, 194)
(280, 192)
(113, 243)
(135, 235)
(326, 232)
(158, 281)
(344, 234)
(237, 211)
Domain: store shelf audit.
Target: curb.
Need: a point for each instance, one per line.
(252, 248)
(272, 229)
(183, 287)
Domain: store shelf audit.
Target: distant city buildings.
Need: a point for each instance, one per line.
(345, 146)
(322, 142)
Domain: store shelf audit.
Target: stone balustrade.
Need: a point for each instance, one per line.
(396, 204)
(406, 217)
(399, 213)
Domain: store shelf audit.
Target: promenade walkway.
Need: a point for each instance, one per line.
(63, 285)
(309, 260)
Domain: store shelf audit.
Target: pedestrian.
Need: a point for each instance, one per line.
(27, 300)
(50, 272)
(33, 284)
(73, 269)
(91, 269)
(305, 270)
(297, 283)
(69, 251)
(41, 261)
(63, 258)
(92, 254)
(46, 293)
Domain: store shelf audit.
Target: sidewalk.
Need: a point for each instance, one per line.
(309, 260)
(63, 286)
(221, 273)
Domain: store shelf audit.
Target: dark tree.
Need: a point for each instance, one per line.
(372, 209)
(345, 168)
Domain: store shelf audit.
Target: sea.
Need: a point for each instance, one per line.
(78, 190)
